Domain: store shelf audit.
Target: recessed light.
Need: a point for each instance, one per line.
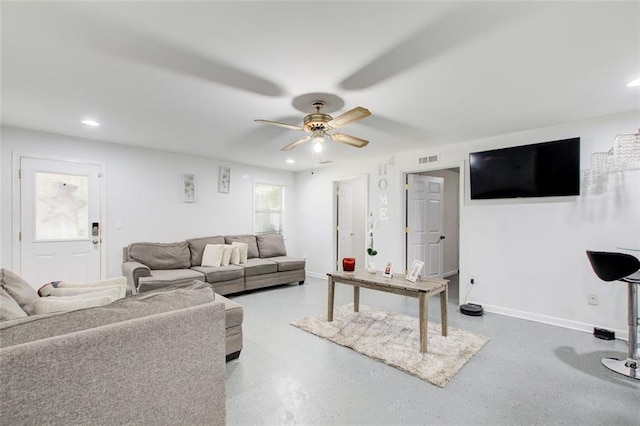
(92, 123)
(634, 83)
(290, 161)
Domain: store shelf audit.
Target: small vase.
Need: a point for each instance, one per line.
(371, 267)
(349, 264)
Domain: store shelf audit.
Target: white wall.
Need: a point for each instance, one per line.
(528, 256)
(143, 191)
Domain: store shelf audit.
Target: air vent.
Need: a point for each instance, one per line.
(429, 159)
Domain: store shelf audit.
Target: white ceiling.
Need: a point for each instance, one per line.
(190, 77)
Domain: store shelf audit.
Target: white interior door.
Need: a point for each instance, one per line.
(345, 220)
(425, 223)
(60, 219)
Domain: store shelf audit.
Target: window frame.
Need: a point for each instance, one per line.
(281, 211)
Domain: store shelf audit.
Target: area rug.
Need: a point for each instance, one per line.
(394, 339)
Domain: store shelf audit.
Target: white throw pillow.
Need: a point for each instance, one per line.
(244, 249)
(235, 255)
(212, 255)
(101, 283)
(47, 305)
(116, 291)
(226, 255)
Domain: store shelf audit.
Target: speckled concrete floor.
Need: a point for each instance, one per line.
(528, 373)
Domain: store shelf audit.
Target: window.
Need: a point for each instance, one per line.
(268, 201)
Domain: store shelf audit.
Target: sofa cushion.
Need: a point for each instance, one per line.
(161, 255)
(258, 266)
(234, 312)
(197, 245)
(286, 263)
(9, 308)
(164, 278)
(221, 273)
(226, 255)
(140, 305)
(20, 290)
(271, 245)
(250, 240)
(212, 255)
(243, 249)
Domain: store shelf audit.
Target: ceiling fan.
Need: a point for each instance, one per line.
(320, 124)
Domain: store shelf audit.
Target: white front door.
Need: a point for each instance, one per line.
(60, 219)
(425, 223)
(345, 220)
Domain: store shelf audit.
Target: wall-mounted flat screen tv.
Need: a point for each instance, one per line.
(548, 169)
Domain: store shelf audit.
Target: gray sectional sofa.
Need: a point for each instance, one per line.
(153, 265)
(152, 358)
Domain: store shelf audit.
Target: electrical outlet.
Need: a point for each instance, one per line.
(593, 299)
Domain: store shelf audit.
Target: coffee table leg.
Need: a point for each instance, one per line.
(444, 297)
(356, 298)
(424, 314)
(330, 301)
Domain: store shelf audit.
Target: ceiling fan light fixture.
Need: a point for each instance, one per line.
(318, 136)
(317, 147)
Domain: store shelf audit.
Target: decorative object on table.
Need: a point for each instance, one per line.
(349, 264)
(224, 182)
(188, 188)
(393, 339)
(414, 271)
(371, 266)
(388, 269)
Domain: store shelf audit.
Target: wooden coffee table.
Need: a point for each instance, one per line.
(421, 290)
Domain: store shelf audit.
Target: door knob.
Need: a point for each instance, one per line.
(442, 237)
(95, 241)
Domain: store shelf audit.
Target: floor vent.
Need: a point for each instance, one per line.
(429, 159)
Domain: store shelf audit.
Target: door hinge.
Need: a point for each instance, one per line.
(19, 173)
(20, 236)
(406, 229)
(406, 186)
(337, 227)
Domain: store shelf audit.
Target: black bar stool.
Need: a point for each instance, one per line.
(622, 267)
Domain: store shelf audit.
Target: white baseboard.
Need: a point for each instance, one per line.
(448, 274)
(545, 319)
(316, 275)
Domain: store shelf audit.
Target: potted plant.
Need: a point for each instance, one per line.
(371, 251)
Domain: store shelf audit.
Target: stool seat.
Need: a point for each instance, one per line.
(623, 267)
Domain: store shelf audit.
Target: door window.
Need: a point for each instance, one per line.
(61, 206)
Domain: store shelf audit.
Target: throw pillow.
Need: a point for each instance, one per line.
(9, 308)
(235, 255)
(226, 255)
(48, 305)
(115, 291)
(243, 248)
(212, 255)
(19, 289)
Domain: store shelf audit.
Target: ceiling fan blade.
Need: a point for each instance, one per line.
(296, 143)
(349, 140)
(358, 113)
(285, 125)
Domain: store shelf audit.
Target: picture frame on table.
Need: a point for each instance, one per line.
(414, 271)
(224, 181)
(388, 269)
(188, 188)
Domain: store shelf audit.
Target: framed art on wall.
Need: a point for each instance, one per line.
(224, 181)
(188, 188)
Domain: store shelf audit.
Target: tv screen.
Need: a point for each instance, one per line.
(547, 169)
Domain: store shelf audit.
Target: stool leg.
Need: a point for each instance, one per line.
(629, 367)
